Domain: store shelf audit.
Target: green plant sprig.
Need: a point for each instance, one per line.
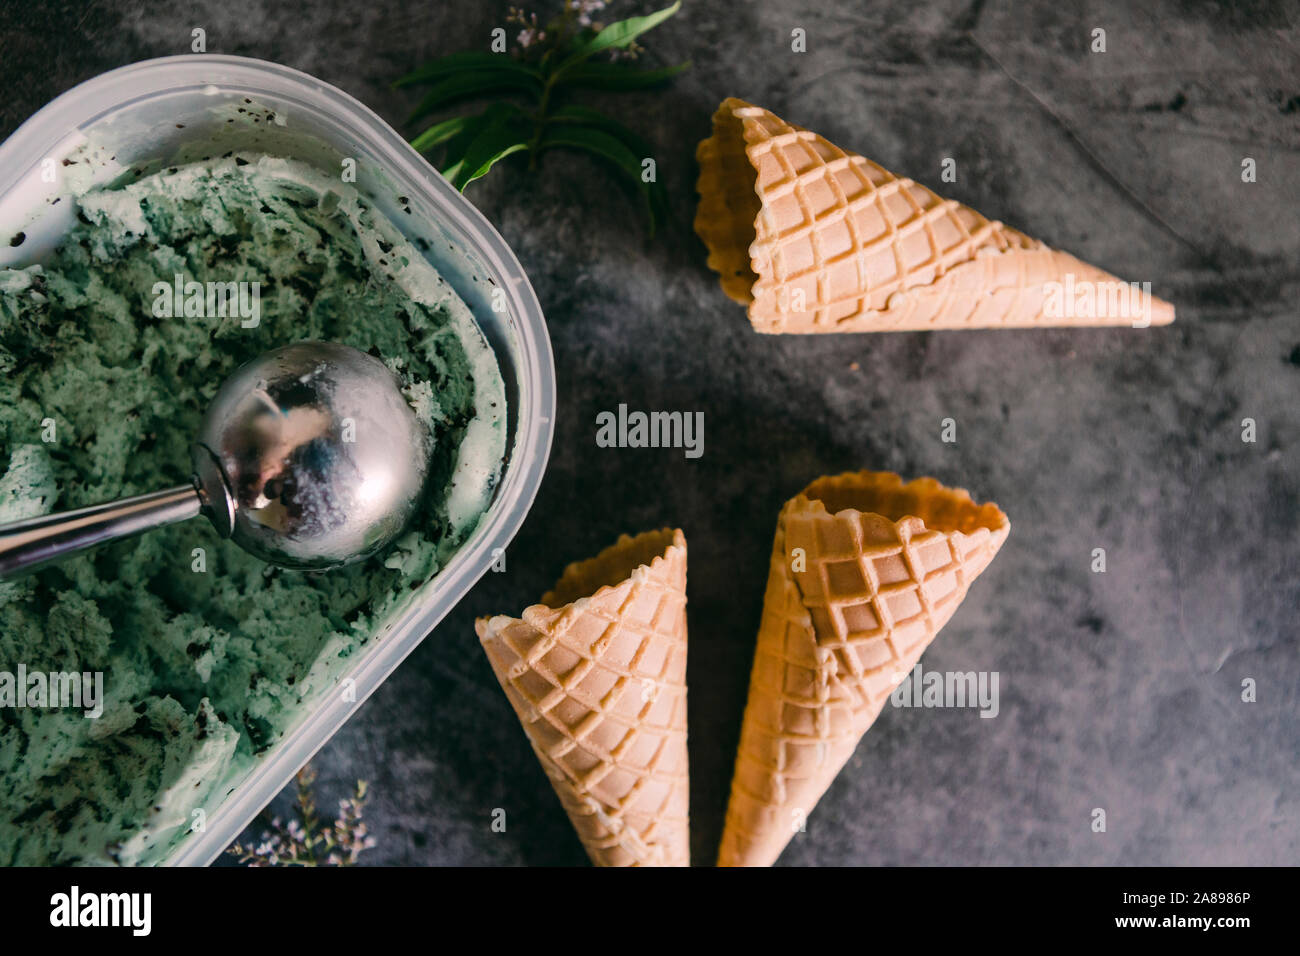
(306, 839)
(533, 86)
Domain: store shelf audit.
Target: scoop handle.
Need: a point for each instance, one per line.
(30, 544)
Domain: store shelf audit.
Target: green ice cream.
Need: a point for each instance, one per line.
(208, 656)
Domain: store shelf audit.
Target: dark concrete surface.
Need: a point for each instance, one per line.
(1119, 690)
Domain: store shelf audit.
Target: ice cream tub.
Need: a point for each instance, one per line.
(150, 119)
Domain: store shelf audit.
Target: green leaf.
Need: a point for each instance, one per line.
(440, 133)
(618, 34)
(462, 85)
(499, 138)
(623, 32)
(593, 141)
(609, 147)
(478, 60)
(617, 77)
(453, 156)
(584, 116)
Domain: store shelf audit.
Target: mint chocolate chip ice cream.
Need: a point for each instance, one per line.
(208, 655)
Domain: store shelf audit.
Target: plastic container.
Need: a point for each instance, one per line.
(186, 107)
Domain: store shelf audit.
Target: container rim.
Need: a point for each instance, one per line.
(528, 450)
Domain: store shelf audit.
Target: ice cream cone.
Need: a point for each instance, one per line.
(816, 239)
(597, 675)
(865, 571)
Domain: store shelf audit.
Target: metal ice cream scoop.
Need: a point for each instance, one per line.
(309, 457)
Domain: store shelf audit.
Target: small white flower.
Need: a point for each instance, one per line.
(586, 8)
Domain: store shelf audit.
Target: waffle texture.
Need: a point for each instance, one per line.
(597, 675)
(816, 239)
(865, 571)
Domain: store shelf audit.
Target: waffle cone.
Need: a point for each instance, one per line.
(816, 239)
(884, 566)
(597, 676)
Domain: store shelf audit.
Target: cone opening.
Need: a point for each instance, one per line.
(884, 493)
(612, 566)
(729, 205)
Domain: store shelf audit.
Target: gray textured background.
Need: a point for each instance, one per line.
(1119, 690)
